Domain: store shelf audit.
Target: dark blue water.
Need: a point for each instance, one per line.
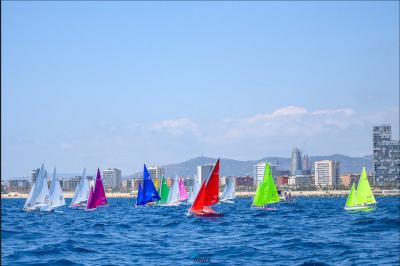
(313, 231)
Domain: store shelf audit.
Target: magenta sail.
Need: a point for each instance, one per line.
(97, 196)
(182, 190)
(91, 203)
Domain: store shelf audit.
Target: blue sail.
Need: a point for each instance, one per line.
(140, 196)
(150, 191)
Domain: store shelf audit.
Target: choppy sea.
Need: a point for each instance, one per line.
(312, 231)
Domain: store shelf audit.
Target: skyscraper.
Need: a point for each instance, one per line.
(203, 172)
(295, 167)
(327, 173)
(258, 171)
(386, 162)
(34, 174)
(306, 164)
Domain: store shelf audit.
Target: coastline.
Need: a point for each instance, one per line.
(312, 193)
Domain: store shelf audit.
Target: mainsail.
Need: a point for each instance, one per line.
(81, 191)
(364, 192)
(56, 194)
(266, 190)
(173, 196)
(163, 191)
(140, 196)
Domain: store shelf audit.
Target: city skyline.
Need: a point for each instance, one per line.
(117, 87)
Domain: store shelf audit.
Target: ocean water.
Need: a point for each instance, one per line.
(312, 231)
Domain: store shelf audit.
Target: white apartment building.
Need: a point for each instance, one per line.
(327, 173)
(112, 179)
(203, 172)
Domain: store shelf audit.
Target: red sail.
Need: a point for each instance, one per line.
(198, 203)
(208, 193)
(212, 187)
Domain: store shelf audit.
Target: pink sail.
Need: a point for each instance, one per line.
(99, 195)
(91, 204)
(182, 190)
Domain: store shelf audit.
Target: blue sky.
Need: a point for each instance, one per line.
(119, 84)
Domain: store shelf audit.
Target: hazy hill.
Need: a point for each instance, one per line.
(236, 167)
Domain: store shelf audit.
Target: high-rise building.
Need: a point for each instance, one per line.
(112, 179)
(295, 166)
(34, 174)
(258, 171)
(386, 162)
(327, 173)
(156, 172)
(203, 172)
(306, 164)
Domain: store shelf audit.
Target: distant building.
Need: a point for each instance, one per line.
(300, 181)
(386, 162)
(282, 180)
(327, 173)
(127, 185)
(258, 171)
(244, 183)
(156, 172)
(34, 174)
(19, 185)
(295, 165)
(203, 172)
(69, 184)
(112, 179)
(347, 180)
(306, 163)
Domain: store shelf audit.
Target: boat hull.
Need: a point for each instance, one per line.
(205, 212)
(263, 208)
(360, 208)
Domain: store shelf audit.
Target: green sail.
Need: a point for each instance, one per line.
(258, 198)
(269, 189)
(352, 198)
(163, 191)
(266, 190)
(364, 192)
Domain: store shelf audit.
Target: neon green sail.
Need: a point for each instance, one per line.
(266, 191)
(352, 198)
(163, 191)
(364, 192)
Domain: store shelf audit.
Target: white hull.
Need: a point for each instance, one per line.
(359, 208)
(227, 201)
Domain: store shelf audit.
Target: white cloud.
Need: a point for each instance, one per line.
(175, 127)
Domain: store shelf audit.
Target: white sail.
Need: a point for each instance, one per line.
(81, 192)
(39, 196)
(229, 191)
(191, 195)
(56, 194)
(173, 196)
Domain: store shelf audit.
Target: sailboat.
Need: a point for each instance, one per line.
(207, 195)
(97, 196)
(81, 194)
(39, 196)
(362, 198)
(56, 194)
(148, 193)
(229, 191)
(266, 191)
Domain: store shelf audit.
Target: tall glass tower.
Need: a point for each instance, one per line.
(295, 167)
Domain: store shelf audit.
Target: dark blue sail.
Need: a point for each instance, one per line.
(150, 191)
(140, 196)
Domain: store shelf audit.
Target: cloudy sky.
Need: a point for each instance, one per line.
(102, 84)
